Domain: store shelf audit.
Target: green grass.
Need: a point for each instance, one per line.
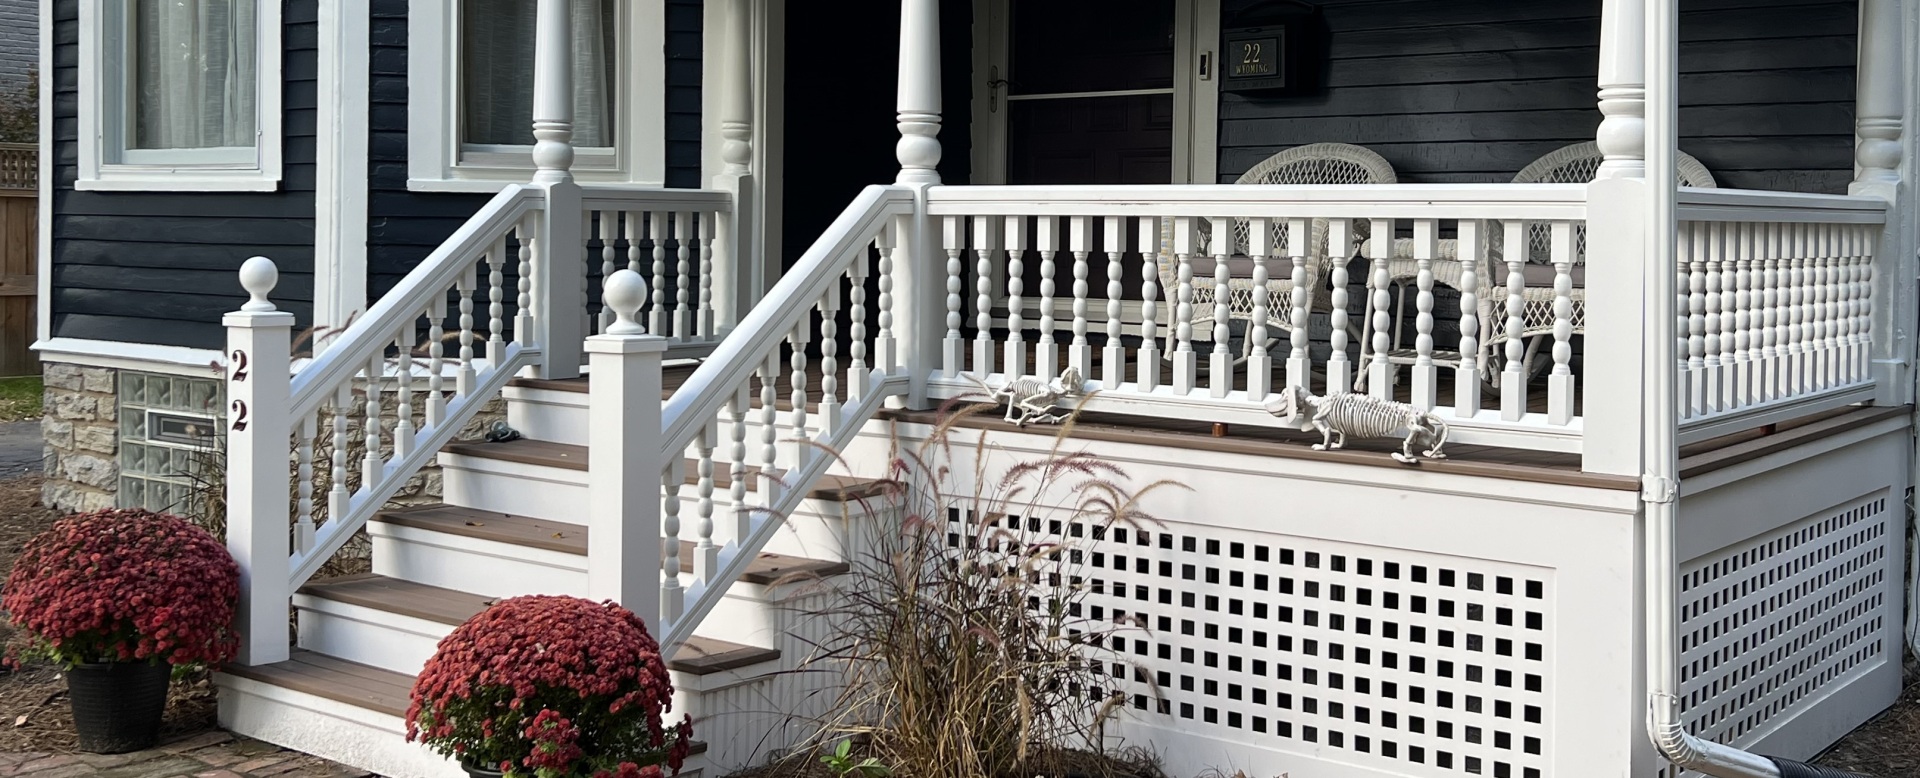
(20, 398)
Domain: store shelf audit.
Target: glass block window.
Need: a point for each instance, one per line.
(166, 422)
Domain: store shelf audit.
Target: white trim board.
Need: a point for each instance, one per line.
(43, 262)
(434, 154)
(146, 357)
(340, 156)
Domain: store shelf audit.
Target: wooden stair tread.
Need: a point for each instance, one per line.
(572, 538)
(381, 691)
(566, 456)
(700, 656)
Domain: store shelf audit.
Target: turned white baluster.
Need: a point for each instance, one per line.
(672, 479)
(496, 304)
(703, 318)
(1184, 360)
(683, 276)
(1859, 275)
(1768, 243)
(1220, 363)
(886, 356)
(985, 242)
(769, 428)
(1015, 239)
(1080, 242)
(829, 360)
(339, 495)
(1113, 358)
(603, 230)
(741, 514)
(1694, 261)
(954, 239)
(436, 362)
(659, 322)
(1339, 248)
(1798, 259)
(1259, 361)
(1149, 354)
(303, 530)
(1466, 377)
(636, 232)
(1513, 380)
(1721, 276)
(524, 310)
(1046, 237)
(1299, 358)
(1380, 251)
(859, 376)
(797, 386)
(403, 429)
(706, 555)
(371, 464)
(463, 380)
(1560, 389)
(1426, 376)
(1740, 243)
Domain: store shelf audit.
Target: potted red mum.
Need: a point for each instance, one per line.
(550, 687)
(119, 597)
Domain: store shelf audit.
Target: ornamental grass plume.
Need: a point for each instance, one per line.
(125, 585)
(551, 686)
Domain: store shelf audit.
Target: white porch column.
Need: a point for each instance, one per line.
(918, 100)
(559, 270)
(1879, 124)
(1623, 89)
(738, 244)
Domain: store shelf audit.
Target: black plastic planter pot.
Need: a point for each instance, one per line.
(476, 771)
(117, 706)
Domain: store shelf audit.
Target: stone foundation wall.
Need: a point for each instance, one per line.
(82, 429)
(83, 434)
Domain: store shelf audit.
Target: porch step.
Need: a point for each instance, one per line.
(346, 697)
(557, 409)
(393, 624)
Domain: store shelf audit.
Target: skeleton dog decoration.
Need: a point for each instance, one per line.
(1031, 399)
(1362, 415)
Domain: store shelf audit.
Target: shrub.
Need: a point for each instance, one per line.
(963, 639)
(550, 686)
(125, 585)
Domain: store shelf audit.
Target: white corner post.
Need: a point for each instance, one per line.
(259, 337)
(624, 552)
(559, 252)
(1880, 126)
(738, 247)
(919, 266)
(1623, 91)
(1616, 229)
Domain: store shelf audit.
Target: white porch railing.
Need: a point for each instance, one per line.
(670, 237)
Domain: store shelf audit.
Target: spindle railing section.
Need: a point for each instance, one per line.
(669, 237)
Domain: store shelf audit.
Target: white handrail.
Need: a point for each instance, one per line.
(1748, 205)
(1544, 202)
(601, 197)
(348, 353)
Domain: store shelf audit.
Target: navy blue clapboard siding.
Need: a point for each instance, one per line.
(405, 226)
(1472, 91)
(159, 267)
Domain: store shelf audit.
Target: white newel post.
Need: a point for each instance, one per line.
(1879, 111)
(737, 244)
(623, 456)
(259, 339)
(1623, 91)
(919, 265)
(559, 252)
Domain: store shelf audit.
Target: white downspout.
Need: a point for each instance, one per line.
(1660, 486)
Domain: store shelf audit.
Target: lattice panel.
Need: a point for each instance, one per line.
(1408, 662)
(1777, 619)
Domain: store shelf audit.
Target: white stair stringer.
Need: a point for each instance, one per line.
(342, 732)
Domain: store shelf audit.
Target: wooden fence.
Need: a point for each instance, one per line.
(19, 242)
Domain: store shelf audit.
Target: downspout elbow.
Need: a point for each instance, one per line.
(1701, 756)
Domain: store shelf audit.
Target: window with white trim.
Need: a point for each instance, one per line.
(478, 56)
(180, 95)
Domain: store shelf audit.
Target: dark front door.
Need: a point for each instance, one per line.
(1088, 91)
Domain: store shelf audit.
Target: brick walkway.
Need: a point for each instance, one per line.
(206, 755)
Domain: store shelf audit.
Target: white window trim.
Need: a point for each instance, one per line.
(435, 160)
(195, 170)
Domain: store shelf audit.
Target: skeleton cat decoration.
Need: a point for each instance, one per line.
(1031, 399)
(1365, 416)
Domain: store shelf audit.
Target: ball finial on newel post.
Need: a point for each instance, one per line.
(624, 292)
(259, 276)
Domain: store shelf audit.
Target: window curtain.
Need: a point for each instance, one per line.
(496, 71)
(195, 68)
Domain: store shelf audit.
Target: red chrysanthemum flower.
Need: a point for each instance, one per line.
(559, 686)
(126, 585)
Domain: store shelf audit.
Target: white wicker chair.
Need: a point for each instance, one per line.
(1572, 164)
(1317, 163)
